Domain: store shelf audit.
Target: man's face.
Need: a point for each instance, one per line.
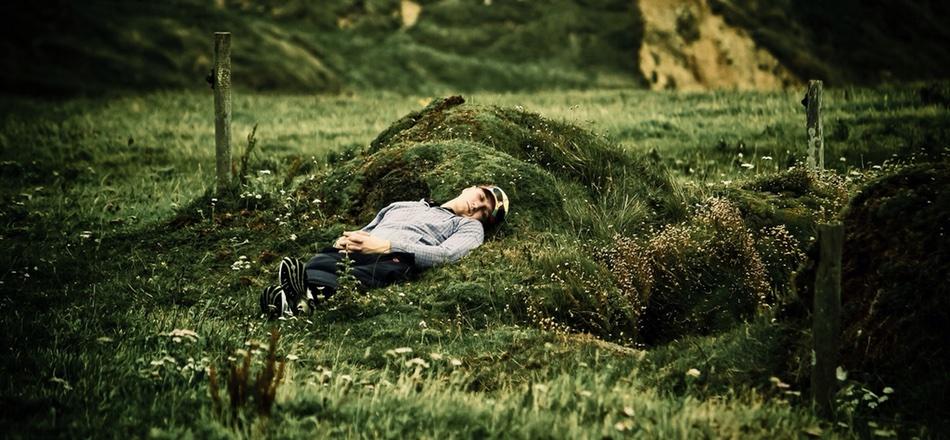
(478, 203)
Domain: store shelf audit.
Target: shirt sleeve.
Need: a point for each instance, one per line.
(377, 219)
(469, 236)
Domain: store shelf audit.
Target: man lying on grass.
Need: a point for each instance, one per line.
(404, 237)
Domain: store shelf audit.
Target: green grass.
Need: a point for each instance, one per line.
(104, 253)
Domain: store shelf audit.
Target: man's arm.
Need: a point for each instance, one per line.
(469, 236)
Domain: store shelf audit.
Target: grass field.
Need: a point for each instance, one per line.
(124, 282)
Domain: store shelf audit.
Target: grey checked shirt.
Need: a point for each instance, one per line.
(434, 234)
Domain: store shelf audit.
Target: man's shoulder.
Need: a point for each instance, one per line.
(409, 204)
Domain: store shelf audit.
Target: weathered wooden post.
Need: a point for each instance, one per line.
(221, 82)
(816, 143)
(826, 320)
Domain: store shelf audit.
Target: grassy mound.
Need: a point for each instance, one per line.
(895, 298)
(796, 199)
(556, 176)
(648, 268)
(555, 173)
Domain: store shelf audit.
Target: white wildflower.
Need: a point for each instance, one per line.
(417, 362)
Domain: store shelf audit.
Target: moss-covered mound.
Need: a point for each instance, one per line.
(797, 199)
(895, 295)
(599, 240)
(571, 191)
(552, 171)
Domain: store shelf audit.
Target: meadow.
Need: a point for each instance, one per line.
(126, 282)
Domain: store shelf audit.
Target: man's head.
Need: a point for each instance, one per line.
(485, 203)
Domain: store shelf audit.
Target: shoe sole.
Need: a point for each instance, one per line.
(274, 303)
(290, 274)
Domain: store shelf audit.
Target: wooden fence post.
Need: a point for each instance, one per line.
(221, 82)
(816, 143)
(826, 320)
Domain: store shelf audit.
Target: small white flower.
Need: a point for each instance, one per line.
(456, 362)
(293, 237)
(417, 362)
(840, 373)
(692, 372)
(263, 172)
(766, 157)
(778, 382)
(747, 166)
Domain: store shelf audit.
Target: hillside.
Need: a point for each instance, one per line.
(104, 45)
(849, 41)
(438, 46)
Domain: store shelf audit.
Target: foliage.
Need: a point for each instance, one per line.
(701, 276)
(249, 396)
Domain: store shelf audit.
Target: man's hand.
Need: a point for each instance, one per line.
(361, 241)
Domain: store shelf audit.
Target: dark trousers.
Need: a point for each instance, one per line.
(371, 270)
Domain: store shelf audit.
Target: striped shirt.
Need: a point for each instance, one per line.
(435, 235)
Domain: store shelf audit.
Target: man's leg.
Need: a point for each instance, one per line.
(370, 270)
(383, 271)
(321, 273)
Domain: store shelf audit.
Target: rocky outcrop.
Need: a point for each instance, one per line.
(688, 47)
